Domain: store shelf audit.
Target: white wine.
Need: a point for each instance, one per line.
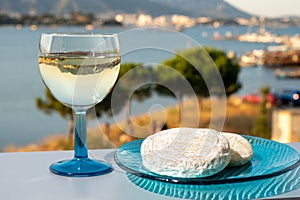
(79, 79)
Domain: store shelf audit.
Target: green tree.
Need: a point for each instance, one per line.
(50, 105)
(261, 127)
(133, 85)
(207, 70)
(228, 68)
(197, 66)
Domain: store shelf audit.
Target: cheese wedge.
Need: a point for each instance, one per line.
(240, 149)
(186, 152)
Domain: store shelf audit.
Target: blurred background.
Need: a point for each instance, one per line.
(255, 45)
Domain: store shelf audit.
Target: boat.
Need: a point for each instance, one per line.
(284, 73)
(33, 27)
(262, 37)
(252, 58)
(281, 56)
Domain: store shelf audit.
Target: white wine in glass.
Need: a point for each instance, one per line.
(79, 70)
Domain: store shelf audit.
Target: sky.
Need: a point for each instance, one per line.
(268, 8)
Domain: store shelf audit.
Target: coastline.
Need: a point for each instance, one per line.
(114, 135)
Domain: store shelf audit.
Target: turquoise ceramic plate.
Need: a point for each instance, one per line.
(262, 188)
(270, 159)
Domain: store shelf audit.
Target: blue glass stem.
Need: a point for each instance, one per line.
(80, 165)
(80, 146)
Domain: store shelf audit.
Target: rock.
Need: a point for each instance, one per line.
(240, 149)
(186, 152)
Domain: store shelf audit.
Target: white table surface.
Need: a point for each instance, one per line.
(26, 176)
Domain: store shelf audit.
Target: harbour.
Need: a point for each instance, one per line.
(281, 49)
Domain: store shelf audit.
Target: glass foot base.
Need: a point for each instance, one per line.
(80, 167)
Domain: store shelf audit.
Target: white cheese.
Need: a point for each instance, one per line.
(186, 152)
(240, 149)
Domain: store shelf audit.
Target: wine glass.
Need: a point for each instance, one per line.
(79, 70)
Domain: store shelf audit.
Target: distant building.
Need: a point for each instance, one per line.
(127, 19)
(161, 21)
(285, 125)
(144, 20)
(203, 20)
(183, 21)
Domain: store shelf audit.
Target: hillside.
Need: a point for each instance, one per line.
(211, 8)
(192, 8)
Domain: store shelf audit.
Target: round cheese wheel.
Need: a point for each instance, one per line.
(240, 149)
(186, 152)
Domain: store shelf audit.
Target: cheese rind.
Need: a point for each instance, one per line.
(186, 152)
(240, 149)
